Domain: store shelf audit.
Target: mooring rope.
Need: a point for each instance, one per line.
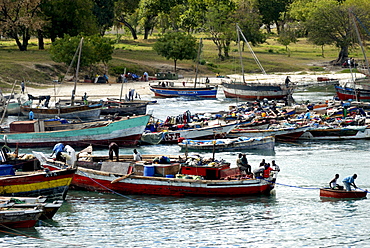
(114, 192)
(299, 187)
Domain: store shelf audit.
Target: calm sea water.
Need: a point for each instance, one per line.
(293, 216)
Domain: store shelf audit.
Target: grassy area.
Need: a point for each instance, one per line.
(137, 56)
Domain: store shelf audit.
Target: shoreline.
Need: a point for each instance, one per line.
(113, 90)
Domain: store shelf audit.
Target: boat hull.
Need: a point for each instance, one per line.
(206, 92)
(20, 218)
(342, 194)
(284, 134)
(254, 92)
(81, 112)
(125, 132)
(266, 143)
(125, 110)
(346, 93)
(53, 184)
(141, 185)
(337, 133)
(209, 132)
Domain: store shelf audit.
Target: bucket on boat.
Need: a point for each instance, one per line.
(170, 176)
(149, 170)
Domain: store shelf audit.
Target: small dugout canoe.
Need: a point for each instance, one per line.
(342, 194)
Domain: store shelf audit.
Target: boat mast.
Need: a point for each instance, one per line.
(360, 40)
(251, 50)
(77, 69)
(240, 52)
(123, 80)
(198, 60)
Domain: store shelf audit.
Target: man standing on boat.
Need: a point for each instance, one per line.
(350, 181)
(113, 148)
(58, 148)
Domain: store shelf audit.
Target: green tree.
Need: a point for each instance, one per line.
(330, 22)
(273, 12)
(176, 46)
(220, 24)
(250, 22)
(104, 13)
(286, 37)
(19, 20)
(95, 49)
(126, 12)
(149, 11)
(193, 15)
(71, 17)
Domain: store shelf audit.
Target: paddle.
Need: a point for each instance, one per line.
(121, 178)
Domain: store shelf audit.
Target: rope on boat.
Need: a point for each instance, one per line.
(18, 233)
(299, 187)
(114, 192)
(287, 185)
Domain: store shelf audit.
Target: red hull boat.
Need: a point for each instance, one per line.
(342, 194)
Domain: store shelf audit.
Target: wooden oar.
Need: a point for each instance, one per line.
(121, 178)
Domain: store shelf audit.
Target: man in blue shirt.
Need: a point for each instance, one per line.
(58, 148)
(348, 181)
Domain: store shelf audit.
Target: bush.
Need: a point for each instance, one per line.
(316, 68)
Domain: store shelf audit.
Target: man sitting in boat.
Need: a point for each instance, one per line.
(350, 181)
(242, 163)
(267, 171)
(333, 183)
(137, 155)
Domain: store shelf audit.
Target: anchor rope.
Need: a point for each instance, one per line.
(114, 192)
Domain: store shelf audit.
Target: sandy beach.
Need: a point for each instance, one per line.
(115, 90)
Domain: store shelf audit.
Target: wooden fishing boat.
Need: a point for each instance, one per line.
(241, 143)
(124, 108)
(19, 218)
(173, 91)
(281, 134)
(172, 136)
(253, 91)
(194, 177)
(256, 90)
(69, 112)
(125, 132)
(342, 194)
(168, 89)
(49, 208)
(52, 184)
(336, 133)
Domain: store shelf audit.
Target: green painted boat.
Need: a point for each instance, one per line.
(125, 132)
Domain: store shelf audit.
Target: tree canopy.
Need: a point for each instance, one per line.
(331, 22)
(176, 46)
(95, 49)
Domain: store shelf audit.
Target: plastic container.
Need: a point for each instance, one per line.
(170, 176)
(149, 170)
(6, 170)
